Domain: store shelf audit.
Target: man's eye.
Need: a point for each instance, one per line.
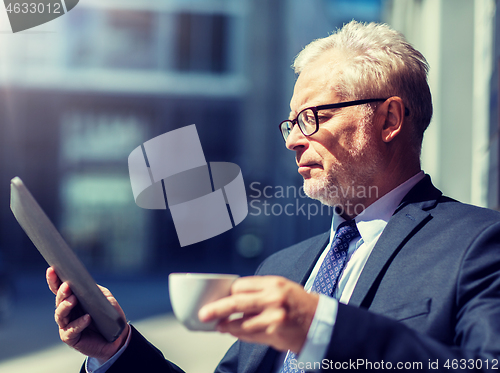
(324, 117)
(309, 118)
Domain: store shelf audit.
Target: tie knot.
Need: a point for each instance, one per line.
(347, 231)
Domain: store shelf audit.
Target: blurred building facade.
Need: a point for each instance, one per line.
(105, 78)
(81, 93)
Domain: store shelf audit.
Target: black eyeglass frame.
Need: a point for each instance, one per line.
(337, 105)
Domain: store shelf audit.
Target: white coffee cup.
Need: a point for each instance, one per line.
(191, 291)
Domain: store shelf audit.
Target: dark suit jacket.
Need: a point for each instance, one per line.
(430, 292)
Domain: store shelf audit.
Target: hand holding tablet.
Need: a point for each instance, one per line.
(66, 264)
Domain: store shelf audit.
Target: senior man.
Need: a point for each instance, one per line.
(405, 279)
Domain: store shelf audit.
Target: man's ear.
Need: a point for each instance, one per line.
(393, 111)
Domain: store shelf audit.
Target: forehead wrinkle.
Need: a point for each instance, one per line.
(317, 84)
(318, 91)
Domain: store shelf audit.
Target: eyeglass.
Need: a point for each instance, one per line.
(308, 120)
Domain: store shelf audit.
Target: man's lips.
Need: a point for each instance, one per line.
(307, 166)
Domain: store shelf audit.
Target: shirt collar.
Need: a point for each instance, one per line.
(375, 217)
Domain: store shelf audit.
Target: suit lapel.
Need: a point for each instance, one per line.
(408, 219)
(398, 230)
(262, 359)
(306, 262)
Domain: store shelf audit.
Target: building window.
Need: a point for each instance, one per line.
(201, 42)
(113, 39)
(131, 39)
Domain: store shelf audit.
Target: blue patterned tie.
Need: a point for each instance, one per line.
(328, 275)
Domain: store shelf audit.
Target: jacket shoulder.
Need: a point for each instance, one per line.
(463, 212)
(280, 262)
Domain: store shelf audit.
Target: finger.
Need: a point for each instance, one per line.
(72, 332)
(236, 329)
(250, 295)
(52, 280)
(106, 292)
(266, 322)
(63, 292)
(63, 311)
(233, 326)
(112, 300)
(255, 283)
(271, 328)
(249, 303)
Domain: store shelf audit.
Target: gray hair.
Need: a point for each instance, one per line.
(380, 64)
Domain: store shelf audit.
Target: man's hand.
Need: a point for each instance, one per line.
(276, 312)
(78, 333)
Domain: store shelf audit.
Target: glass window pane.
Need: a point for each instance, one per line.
(102, 222)
(131, 39)
(201, 43)
(183, 41)
(113, 38)
(219, 43)
(99, 136)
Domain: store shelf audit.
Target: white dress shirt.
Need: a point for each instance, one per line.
(370, 225)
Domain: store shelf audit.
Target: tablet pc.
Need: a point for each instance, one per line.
(66, 264)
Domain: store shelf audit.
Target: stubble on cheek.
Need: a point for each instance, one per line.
(356, 169)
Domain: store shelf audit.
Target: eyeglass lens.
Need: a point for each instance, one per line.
(286, 128)
(306, 121)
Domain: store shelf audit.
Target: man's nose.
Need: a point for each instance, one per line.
(296, 139)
